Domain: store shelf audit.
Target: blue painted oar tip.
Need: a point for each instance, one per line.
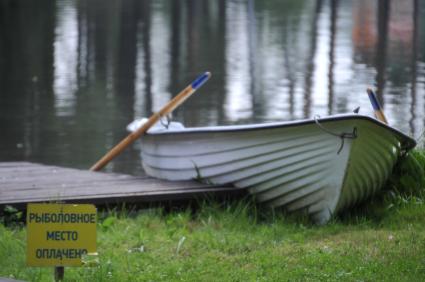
(373, 100)
(200, 80)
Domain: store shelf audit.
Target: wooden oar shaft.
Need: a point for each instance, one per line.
(379, 114)
(115, 151)
(168, 108)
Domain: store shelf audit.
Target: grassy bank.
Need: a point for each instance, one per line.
(383, 240)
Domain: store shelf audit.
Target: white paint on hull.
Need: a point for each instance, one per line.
(295, 165)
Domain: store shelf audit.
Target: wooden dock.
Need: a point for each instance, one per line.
(23, 182)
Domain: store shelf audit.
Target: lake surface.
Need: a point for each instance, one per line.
(73, 74)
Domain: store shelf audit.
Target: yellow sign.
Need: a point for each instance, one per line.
(60, 234)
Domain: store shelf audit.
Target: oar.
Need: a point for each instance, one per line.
(379, 114)
(168, 108)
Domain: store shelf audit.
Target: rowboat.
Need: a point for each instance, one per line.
(320, 166)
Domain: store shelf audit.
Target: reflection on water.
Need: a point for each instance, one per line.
(238, 101)
(160, 53)
(73, 74)
(66, 58)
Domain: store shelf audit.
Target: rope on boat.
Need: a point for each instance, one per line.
(343, 135)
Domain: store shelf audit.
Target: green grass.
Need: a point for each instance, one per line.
(382, 240)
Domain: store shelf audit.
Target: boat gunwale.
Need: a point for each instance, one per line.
(407, 141)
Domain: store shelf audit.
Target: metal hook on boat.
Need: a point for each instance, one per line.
(343, 135)
(167, 123)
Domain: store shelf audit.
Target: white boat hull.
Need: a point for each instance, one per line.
(293, 165)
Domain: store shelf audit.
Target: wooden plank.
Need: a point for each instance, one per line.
(94, 189)
(15, 164)
(58, 191)
(2, 279)
(29, 172)
(63, 180)
(23, 182)
(126, 197)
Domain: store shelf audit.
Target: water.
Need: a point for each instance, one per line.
(73, 74)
